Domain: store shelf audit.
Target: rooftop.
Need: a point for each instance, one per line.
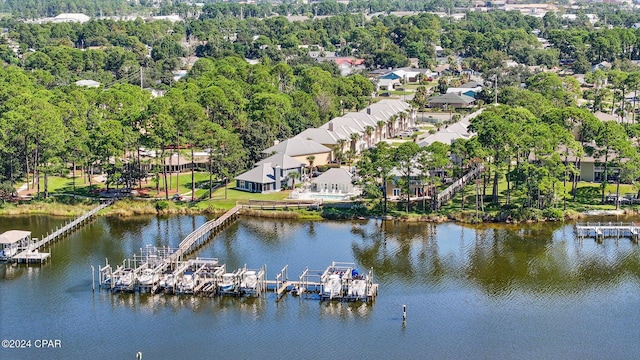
(283, 160)
(297, 146)
(12, 236)
(333, 175)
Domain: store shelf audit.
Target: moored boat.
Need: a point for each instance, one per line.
(228, 283)
(147, 277)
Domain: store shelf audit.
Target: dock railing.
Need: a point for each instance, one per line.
(448, 193)
(280, 204)
(69, 226)
(197, 238)
(26, 253)
(601, 230)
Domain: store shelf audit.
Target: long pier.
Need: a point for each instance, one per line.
(202, 234)
(600, 230)
(31, 253)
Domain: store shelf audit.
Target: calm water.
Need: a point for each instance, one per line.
(496, 292)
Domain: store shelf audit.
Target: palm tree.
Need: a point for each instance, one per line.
(402, 116)
(350, 155)
(293, 175)
(341, 143)
(368, 130)
(310, 159)
(338, 151)
(354, 142)
(391, 125)
(381, 124)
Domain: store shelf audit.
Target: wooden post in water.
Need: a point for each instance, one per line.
(93, 278)
(404, 313)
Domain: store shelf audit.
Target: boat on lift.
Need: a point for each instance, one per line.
(228, 283)
(147, 277)
(187, 283)
(249, 282)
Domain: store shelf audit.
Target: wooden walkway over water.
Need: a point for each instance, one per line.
(448, 193)
(203, 233)
(600, 230)
(280, 204)
(31, 253)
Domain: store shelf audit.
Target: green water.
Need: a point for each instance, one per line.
(492, 292)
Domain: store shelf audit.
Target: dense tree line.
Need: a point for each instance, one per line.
(31, 9)
(484, 40)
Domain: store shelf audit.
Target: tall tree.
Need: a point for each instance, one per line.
(405, 157)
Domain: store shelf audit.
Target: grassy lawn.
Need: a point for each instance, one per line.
(588, 197)
(64, 185)
(201, 181)
(218, 200)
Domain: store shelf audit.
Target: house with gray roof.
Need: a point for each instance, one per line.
(286, 165)
(300, 149)
(451, 100)
(325, 136)
(261, 179)
(357, 123)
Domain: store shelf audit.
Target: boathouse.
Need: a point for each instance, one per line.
(12, 242)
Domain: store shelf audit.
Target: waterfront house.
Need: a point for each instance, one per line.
(286, 165)
(302, 149)
(395, 189)
(261, 179)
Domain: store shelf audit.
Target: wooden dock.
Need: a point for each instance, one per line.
(601, 230)
(280, 204)
(448, 193)
(32, 255)
(203, 233)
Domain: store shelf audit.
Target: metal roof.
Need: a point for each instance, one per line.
(333, 176)
(283, 160)
(262, 174)
(297, 146)
(12, 236)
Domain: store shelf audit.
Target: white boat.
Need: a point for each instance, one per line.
(249, 281)
(188, 283)
(168, 281)
(147, 277)
(125, 278)
(358, 287)
(228, 283)
(332, 286)
(8, 253)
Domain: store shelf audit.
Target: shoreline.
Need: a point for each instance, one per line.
(134, 207)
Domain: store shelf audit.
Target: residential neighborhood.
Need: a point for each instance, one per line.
(355, 179)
